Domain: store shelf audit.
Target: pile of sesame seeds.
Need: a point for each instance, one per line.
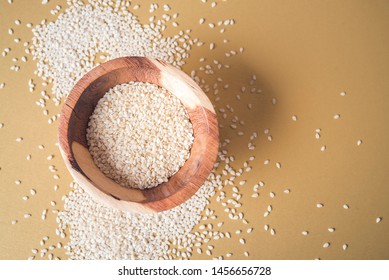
(139, 135)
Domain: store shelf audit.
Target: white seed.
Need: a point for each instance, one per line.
(28, 157)
(272, 194)
(326, 245)
(202, 20)
(378, 220)
(346, 206)
(246, 254)
(19, 139)
(359, 142)
(14, 222)
(319, 205)
(343, 93)
(278, 165)
(323, 148)
(25, 197)
(294, 118)
(242, 241)
(18, 182)
(331, 229)
(26, 216)
(337, 116)
(305, 232)
(273, 231)
(345, 246)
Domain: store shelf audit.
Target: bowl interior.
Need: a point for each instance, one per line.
(81, 104)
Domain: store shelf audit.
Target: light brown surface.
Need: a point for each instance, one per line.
(304, 53)
(80, 105)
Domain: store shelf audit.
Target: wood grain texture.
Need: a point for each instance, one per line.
(80, 105)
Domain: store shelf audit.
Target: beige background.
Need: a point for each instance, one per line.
(304, 53)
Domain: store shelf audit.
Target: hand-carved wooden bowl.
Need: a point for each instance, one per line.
(80, 105)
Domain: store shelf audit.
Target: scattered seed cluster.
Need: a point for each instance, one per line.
(139, 135)
(68, 48)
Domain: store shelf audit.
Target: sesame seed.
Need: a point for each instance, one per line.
(345, 246)
(294, 118)
(337, 116)
(378, 220)
(343, 93)
(331, 229)
(320, 205)
(359, 142)
(326, 245)
(323, 148)
(305, 232)
(346, 206)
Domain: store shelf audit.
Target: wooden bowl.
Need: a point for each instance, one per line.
(81, 103)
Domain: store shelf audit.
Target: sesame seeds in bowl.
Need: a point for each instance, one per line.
(161, 157)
